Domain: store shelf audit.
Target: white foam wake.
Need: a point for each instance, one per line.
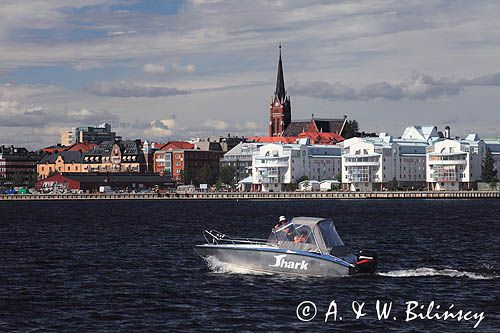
(425, 271)
(217, 266)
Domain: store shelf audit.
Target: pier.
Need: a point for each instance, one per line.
(260, 196)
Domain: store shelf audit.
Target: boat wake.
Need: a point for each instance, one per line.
(217, 266)
(425, 271)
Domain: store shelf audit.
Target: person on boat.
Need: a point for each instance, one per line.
(301, 238)
(281, 222)
(283, 234)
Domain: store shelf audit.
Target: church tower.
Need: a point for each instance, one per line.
(280, 110)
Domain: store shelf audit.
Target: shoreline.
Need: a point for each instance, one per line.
(259, 196)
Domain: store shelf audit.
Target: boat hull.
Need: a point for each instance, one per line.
(276, 260)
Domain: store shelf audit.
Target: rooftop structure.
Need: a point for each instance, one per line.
(92, 134)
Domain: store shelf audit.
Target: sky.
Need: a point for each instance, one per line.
(177, 69)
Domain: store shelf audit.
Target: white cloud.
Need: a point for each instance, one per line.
(417, 87)
(154, 69)
(130, 89)
(90, 116)
(119, 33)
(216, 124)
(87, 65)
(10, 91)
(160, 128)
(250, 125)
(12, 114)
(174, 68)
(184, 69)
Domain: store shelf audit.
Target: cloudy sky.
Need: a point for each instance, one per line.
(184, 68)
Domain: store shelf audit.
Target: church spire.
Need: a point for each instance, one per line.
(280, 81)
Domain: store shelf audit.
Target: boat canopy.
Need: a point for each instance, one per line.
(307, 234)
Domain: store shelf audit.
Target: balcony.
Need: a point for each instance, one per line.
(281, 162)
(353, 179)
(270, 180)
(272, 164)
(447, 177)
(355, 164)
(448, 162)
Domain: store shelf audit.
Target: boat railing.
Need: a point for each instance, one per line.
(216, 237)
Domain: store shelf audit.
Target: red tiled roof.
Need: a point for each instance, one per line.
(272, 139)
(81, 146)
(177, 145)
(321, 137)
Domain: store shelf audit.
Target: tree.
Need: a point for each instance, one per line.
(227, 175)
(338, 177)
(488, 170)
(206, 176)
(393, 184)
(351, 129)
(218, 185)
(18, 179)
(187, 177)
(301, 179)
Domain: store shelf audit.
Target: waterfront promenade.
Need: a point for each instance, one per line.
(260, 196)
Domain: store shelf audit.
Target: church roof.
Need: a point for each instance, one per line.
(324, 125)
(296, 127)
(280, 81)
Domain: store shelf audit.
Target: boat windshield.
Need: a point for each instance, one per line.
(293, 236)
(329, 234)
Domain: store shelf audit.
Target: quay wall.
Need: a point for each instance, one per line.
(259, 196)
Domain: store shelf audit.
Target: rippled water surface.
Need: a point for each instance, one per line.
(129, 266)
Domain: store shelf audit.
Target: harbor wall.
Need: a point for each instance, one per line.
(260, 196)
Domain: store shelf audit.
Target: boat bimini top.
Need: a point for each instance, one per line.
(307, 234)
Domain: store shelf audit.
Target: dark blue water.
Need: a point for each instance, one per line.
(129, 266)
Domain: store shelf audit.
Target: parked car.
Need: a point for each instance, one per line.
(10, 191)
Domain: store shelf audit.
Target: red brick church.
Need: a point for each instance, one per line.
(283, 129)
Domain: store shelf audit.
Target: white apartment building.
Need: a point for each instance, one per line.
(276, 165)
(368, 161)
(455, 164)
(371, 163)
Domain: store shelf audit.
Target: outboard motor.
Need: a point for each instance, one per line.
(366, 262)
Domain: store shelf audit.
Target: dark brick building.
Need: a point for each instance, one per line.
(17, 166)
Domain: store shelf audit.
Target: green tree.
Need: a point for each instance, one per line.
(301, 179)
(338, 177)
(18, 179)
(488, 170)
(187, 177)
(393, 184)
(351, 129)
(227, 175)
(206, 175)
(218, 185)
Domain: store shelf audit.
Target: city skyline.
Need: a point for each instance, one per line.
(179, 69)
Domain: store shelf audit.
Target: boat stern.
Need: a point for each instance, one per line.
(366, 263)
